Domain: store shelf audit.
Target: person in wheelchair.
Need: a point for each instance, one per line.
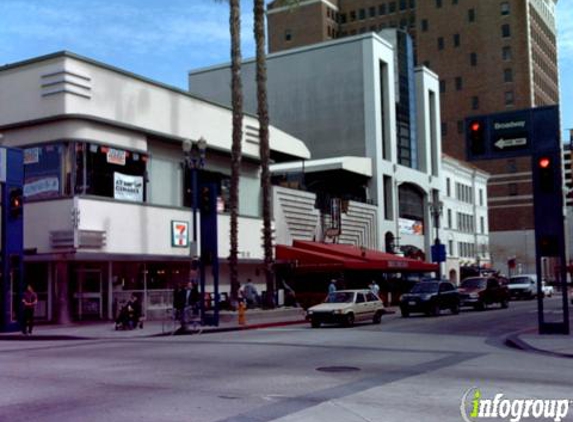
(129, 316)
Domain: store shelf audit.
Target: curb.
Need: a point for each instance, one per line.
(515, 342)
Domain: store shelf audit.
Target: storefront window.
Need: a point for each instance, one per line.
(110, 172)
(222, 181)
(43, 171)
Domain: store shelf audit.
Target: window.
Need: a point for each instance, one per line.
(511, 166)
(482, 225)
(506, 53)
(362, 14)
(451, 247)
(403, 4)
(382, 9)
(352, 15)
(444, 128)
(343, 18)
(438, 3)
(442, 86)
(471, 15)
(440, 43)
(456, 40)
(475, 103)
(509, 98)
(512, 189)
(458, 83)
(372, 12)
(424, 25)
(460, 126)
(412, 4)
(504, 8)
(448, 190)
(481, 197)
(454, 1)
(505, 31)
(360, 298)
(288, 35)
(507, 75)
(449, 218)
(43, 171)
(473, 59)
(392, 7)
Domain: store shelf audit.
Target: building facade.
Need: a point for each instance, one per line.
(465, 216)
(358, 97)
(107, 194)
(491, 56)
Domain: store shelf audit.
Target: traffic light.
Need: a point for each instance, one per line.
(476, 134)
(548, 245)
(545, 174)
(205, 199)
(16, 200)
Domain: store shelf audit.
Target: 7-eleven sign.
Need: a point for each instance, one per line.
(179, 234)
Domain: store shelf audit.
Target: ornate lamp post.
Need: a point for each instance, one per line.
(436, 209)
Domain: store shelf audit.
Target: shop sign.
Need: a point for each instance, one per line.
(31, 155)
(128, 188)
(179, 234)
(408, 226)
(45, 187)
(116, 156)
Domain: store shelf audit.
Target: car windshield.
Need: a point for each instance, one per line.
(340, 297)
(425, 288)
(520, 280)
(473, 283)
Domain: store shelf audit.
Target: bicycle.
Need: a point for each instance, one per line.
(190, 322)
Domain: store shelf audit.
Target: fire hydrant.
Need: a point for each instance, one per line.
(242, 313)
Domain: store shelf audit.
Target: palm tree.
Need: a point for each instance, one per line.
(264, 150)
(237, 106)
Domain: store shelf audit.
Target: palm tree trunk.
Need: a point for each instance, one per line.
(237, 106)
(263, 113)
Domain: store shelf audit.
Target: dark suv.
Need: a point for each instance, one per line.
(482, 291)
(430, 297)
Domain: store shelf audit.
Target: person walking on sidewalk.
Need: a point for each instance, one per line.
(374, 288)
(332, 286)
(29, 302)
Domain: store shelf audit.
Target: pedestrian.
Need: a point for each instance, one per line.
(29, 301)
(332, 286)
(134, 309)
(194, 297)
(251, 294)
(374, 288)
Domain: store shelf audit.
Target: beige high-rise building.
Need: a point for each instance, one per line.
(491, 56)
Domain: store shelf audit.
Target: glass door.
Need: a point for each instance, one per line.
(87, 294)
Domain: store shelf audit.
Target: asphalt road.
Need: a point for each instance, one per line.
(410, 369)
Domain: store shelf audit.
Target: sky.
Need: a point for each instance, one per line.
(164, 39)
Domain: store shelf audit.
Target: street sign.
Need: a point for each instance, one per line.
(502, 143)
(439, 253)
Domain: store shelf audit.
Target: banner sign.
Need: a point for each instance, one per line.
(408, 226)
(179, 234)
(45, 187)
(116, 156)
(127, 188)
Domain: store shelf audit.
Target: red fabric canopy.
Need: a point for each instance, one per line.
(349, 257)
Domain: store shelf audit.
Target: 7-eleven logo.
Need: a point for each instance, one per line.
(180, 234)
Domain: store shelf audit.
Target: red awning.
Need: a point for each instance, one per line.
(349, 257)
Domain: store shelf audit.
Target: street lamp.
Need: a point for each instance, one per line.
(194, 160)
(436, 209)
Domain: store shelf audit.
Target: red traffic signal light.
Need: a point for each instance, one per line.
(15, 202)
(476, 135)
(475, 126)
(544, 162)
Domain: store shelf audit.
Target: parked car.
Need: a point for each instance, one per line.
(480, 292)
(346, 307)
(523, 286)
(547, 289)
(430, 297)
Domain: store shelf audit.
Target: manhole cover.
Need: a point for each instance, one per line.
(338, 368)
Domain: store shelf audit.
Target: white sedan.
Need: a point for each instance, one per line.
(546, 289)
(346, 307)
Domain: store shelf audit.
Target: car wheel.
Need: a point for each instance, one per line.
(504, 304)
(349, 321)
(377, 318)
(480, 306)
(405, 313)
(455, 309)
(315, 323)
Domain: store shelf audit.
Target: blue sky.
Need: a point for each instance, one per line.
(163, 39)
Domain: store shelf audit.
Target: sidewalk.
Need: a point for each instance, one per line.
(255, 318)
(557, 345)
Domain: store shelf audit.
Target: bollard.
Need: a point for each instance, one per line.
(242, 313)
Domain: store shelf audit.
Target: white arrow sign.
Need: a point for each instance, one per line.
(506, 143)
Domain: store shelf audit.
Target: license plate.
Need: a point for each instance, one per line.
(412, 303)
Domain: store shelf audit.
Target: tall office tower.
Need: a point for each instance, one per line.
(491, 56)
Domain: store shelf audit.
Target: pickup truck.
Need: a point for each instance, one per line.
(480, 292)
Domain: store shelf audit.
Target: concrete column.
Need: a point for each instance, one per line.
(61, 284)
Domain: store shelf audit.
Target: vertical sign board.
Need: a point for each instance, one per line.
(12, 173)
(534, 133)
(209, 244)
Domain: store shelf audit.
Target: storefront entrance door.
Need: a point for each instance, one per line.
(88, 294)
